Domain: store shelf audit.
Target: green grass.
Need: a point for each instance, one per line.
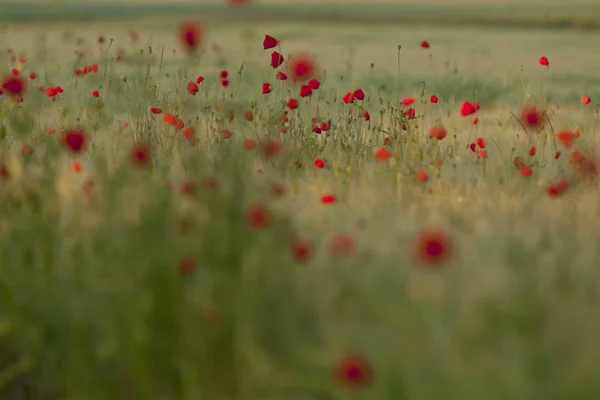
(93, 303)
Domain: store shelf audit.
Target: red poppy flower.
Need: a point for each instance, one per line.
(438, 132)
(467, 108)
(382, 154)
(301, 68)
(74, 140)
(281, 76)
(544, 61)
(266, 88)
(276, 59)
(305, 91)
(13, 86)
(425, 44)
(292, 104)
(557, 188)
(328, 199)
(433, 247)
(300, 249)
(353, 371)
(585, 100)
(531, 117)
(140, 155)
(314, 84)
(319, 163)
(192, 88)
(342, 245)
(566, 138)
(190, 35)
(269, 42)
(433, 99)
(258, 217)
(348, 98)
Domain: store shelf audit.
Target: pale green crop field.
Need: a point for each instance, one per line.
(95, 303)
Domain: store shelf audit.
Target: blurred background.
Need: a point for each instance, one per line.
(551, 14)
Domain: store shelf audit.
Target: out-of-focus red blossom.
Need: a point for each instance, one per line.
(269, 42)
(225, 83)
(199, 79)
(482, 153)
(314, 84)
(518, 163)
(300, 249)
(271, 147)
(422, 176)
(74, 140)
(367, 116)
(13, 86)
(585, 100)
(192, 88)
(348, 98)
(576, 157)
(32, 75)
(328, 199)
(280, 76)
(248, 116)
(438, 132)
(359, 94)
(557, 188)
(292, 104)
(433, 247)
(319, 163)
(276, 59)
(557, 155)
(301, 67)
(186, 265)
(531, 117)
(266, 88)
(544, 61)
(408, 101)
(382, 154)
(480, 143)
(258, 217)
(188, 132)
(410, 113)
(342, 245)
(155, 110)
(473, 147)
(525, 171)
(96, 93)
(224, 74)
(169, 119)
(249, 144)
(475, 121)
(433, 99)
(566, 138)
(587, 169)
(353, 371)
(190, 35)
(140, 155)
(424, 44)
(4, 173)
(532, 151)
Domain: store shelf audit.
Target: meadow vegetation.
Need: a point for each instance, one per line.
(412, 213)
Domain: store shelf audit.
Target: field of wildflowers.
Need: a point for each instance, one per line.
(287, 211)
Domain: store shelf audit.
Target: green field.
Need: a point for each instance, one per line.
(215, 271)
